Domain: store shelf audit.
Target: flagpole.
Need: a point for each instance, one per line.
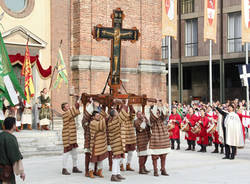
(247, 87)
(210, 74)
(169, 76)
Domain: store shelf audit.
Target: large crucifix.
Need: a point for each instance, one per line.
(117, 34)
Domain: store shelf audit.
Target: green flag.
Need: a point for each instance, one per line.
(62, 72)
(9, 85)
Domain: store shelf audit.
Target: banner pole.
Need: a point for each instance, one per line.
(169, 76)
(210, 74)
(247, 87)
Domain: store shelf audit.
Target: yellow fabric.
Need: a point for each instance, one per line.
(169, 18)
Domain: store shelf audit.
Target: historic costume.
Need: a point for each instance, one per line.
(45, 112)
(142, 140)
(117, 140)
(127, 118)
(203, 135)
(27, 116)
(190, 136)
(10, 158)
(175, 119)
(98, 144)
(85, 124)
(232, 133)
(69, 137)
(159, 145)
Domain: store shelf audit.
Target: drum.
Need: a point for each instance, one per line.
(184, 127)
(170, 126)
(211, 128)
(196, 129)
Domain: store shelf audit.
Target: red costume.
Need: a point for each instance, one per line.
(192, 120)
(203, 136)
(243, 128)
(176, 118)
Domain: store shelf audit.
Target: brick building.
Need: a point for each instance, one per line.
(143, 63)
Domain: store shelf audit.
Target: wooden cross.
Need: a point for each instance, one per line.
(117, 34)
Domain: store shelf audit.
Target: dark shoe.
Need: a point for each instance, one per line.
(204, 149)
(188, 149)
(215, 151)
(114, 178)
(65, 172)
(226, 157)
(156, 173)
(193, 149)
(178, 147)
(201, 150)
(221, 150)
(76, 170)
(232, 157)
(120, 177)
(128, 168)
(142, 171)
(164, 173)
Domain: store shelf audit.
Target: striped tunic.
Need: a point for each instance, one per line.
(116, 138)
(69, 135)
(127, 127)
(98, 138)
(85, 124)
(142, 137)
(159, 141)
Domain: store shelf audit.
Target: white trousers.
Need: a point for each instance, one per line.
(73, 153)
(116, 166)
(92, 165)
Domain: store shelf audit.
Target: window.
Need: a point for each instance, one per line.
(16, 5)
(187, 6)
(234, 32)
(191, 38)
(164, 47)
(187, 78)
(17, 8)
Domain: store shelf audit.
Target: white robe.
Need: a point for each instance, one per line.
(234, 132)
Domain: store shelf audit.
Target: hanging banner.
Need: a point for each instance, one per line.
(245, 23)
(169, 18)
(210, 20)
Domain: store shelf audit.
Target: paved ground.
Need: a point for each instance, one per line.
(183, 167)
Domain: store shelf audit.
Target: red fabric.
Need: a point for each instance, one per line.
(18, 58)
(243, 128)
(176, 130)
(203, 137)
(192, 119)
(216, 138)
(215, 117)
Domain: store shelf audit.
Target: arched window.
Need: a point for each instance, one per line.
(16, 5)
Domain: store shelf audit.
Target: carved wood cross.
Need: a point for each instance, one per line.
(117, 34)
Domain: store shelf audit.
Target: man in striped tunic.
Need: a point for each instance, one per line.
(159, 145)
(69, 136)
(142, 140)
(126, 117)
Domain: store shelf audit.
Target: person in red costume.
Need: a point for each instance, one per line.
(203, 136)
(191, 119)
(175, 132)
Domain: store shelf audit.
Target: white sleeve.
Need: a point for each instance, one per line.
(154, 110)
(143, 125)
(90, 108)
(164, 110)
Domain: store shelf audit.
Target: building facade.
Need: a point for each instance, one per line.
(190, 54)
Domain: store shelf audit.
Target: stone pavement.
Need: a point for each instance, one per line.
(183, 167)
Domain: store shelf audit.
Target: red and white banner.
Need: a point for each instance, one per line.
(210, 20)
(245, 15)
(169, 18)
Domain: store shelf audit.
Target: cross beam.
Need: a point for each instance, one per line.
(115, 33)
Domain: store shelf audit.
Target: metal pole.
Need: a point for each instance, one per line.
(247, 88)
(169, 75)
(210, 74)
